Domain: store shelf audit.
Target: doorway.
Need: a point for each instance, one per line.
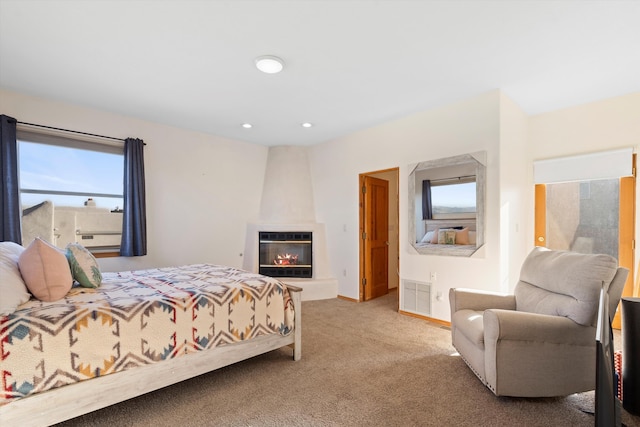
(379, 233)
(595, 216)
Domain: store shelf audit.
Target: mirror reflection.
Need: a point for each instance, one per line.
(446, 198)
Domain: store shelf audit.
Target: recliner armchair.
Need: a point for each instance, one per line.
(540, 341)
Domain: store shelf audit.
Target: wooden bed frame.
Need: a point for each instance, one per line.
(70, 401)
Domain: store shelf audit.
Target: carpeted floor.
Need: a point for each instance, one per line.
(363, 364)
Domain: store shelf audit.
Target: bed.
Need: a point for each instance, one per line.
(450, 237)
(137, 332)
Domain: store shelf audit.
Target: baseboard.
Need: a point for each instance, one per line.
(347, 298)
(430, 319)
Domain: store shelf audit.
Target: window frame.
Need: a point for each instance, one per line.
(452, 182)
(73, 140)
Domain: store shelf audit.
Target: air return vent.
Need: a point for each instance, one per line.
(416, 297)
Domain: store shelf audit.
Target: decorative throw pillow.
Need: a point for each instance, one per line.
(45, 271)
(462, 236)
(13, 291)
(84, 267)
(427, 237)
(447, 237)
(436, 233)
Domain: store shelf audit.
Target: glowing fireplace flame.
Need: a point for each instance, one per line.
(286, 259)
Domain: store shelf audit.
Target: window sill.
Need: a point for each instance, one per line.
(106, 254)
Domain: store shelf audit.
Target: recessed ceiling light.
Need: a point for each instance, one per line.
(269, 64)
(307, 125)
(247, 125)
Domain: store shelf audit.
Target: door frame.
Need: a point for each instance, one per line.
(394, 203)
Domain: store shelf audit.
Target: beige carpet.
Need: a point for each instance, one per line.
(363, 364)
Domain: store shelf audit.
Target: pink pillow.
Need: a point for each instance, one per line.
(45, 271)
(462, 236)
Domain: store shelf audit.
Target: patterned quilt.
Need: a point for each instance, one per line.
(136, 318)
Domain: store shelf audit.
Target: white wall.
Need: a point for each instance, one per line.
(516, 193)
(468, 126)
(202, 190)
(596, 126)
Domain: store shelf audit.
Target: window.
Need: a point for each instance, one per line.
(71, 190)
(453, 199)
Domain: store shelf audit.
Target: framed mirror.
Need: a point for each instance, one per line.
(447, 205)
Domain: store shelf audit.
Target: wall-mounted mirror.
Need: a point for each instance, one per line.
(447, 205)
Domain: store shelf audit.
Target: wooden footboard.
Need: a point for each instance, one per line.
(72, 400)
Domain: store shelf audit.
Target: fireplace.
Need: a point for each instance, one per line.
(285, 253)
(286, 205)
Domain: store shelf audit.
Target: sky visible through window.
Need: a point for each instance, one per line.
(454, 198)
(50, 167)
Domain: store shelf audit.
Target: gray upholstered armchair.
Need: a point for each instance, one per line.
(541, 340)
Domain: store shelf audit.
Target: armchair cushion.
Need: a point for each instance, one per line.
(474, 329)
(564, 284)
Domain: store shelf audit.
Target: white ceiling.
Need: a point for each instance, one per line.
(349, 64)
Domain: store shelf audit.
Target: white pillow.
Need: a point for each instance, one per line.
(13, 290)
(427, 237)
(472, 237)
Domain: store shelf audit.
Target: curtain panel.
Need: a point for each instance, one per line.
(134, 217)
(427, 208)
(10, 230)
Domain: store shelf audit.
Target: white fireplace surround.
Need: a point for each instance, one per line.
(287, 205)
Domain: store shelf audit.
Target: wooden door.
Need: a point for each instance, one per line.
(375, 238)
(625, 224)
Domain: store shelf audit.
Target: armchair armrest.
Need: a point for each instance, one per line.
(473, 299)
(524, 326)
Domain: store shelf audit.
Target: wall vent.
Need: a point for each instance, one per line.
(416, 297)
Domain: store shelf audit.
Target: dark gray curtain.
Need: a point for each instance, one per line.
(134, 217)
(10, 191)
(427, 209)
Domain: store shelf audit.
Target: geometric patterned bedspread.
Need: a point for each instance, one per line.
(136, 318)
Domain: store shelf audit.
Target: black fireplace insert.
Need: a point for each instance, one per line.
(286, 253)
